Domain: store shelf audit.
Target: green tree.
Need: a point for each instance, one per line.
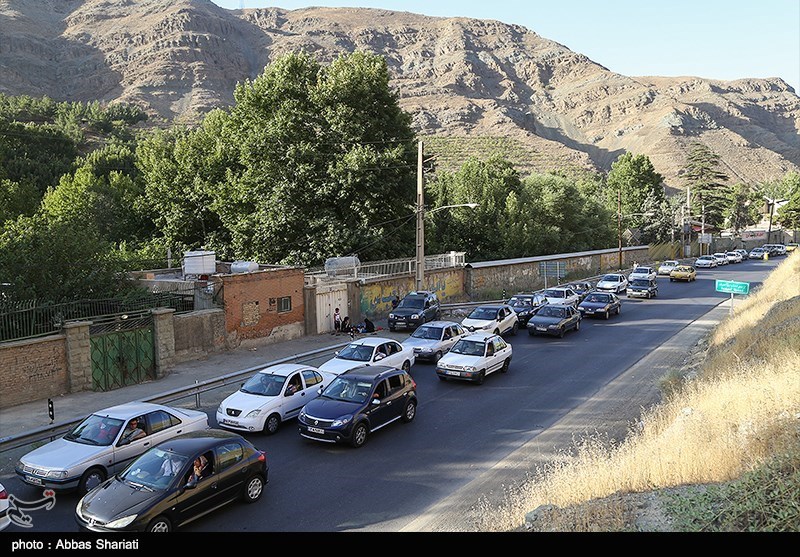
(709, 195)
(745, 208)
(325, 154)
(789, 214)
(632, 183)
(17, 199)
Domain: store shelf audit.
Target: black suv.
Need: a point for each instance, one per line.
(358, 402)
(415, 309)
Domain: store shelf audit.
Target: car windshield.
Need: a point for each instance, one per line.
(684, 269)
(483, 313)
(264, 384)
(469, 347)
(642, 270)
(611, 278)
(669, 263)
(555, 293)
(156, 469)
(428, 333)
(348, 389)
(412, 303)
(597, 298)
(95, 430)
(519, 302)
(640, 282)
(550, 311)
(356, 352)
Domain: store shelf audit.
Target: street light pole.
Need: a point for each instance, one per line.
(619, 224)
(420, 222)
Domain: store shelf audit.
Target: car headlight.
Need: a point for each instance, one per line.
(470, 369)
(302, 415)
(121, 522)
(58, 474)
(554, 326)
(415, 316)
(342, 420)
(253, 413)
(391, 316)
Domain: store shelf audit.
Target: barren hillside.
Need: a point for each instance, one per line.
(456, 76)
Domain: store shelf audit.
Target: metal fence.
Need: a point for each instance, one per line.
(395, 267)
(21, 319)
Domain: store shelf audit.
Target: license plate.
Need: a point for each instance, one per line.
(316, 430)
(541, 328)
(230, 422)
(449, 372)
(32, 480)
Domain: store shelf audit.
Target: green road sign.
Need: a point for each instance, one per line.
(733, 287)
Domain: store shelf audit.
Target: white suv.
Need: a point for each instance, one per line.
(494, 318)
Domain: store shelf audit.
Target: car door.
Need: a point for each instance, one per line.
(382, 408)
(204, 495)
(495, 356)
(293, 401)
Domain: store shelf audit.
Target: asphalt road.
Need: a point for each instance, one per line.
(469, 442)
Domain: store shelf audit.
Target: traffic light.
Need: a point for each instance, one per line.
(50, 410)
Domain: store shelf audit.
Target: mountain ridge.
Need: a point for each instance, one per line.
(458, 77)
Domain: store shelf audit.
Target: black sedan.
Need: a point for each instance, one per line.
(554, 319)
(526, 305)
(600, 303)
(175, 483)
(643, 288)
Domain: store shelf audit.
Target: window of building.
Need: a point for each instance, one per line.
(284, 304)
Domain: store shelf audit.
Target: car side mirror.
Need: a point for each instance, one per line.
(379, 357)
(376, 401)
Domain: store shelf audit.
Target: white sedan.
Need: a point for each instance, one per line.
(646, 273)
(99, 447)
(4, 519)
(370, 351)
(705, 262)
(474, 357)
(667, 266)
(498, 319)
(270, 397)
(613, 282)
(433, 340)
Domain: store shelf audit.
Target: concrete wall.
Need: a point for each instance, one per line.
(376, 295)
(33, 369)
(199, 333)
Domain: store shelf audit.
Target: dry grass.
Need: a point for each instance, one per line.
(740, 410)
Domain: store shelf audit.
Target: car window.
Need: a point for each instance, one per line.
(95, 430)
(500, 343)
(229, 454)
(395, 348)
(161, 420)
(412, 303)
(356, 352)
(311, 377)
(468, 348)
(427, 332)
(482, 313)
(264, 384)
(395, 383)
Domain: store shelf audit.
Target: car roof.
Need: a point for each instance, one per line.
(371, 341)
(479, 336)
(642, 269)
(371, 372)
(565, 306)
(194, 441)
(285, 369)
(439, 324)
(559, 288)
(130, 409)
(491, 306)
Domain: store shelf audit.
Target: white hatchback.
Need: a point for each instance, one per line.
(474, 357)
(562, 295)
(433, 340)
(370, 351)
(270, 397)
(647, 273)
(613, 282)
(494, 318)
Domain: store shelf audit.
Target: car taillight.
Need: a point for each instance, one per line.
(262, 456)
(413, 383)
(3, 494)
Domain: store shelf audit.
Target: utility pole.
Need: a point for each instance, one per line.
(420, 282)
(619, 224)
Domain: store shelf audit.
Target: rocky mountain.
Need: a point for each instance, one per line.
(458, 78)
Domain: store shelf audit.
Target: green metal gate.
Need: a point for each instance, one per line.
(123, 352)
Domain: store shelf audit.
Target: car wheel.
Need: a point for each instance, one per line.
(406, 366)
(360, 433)
(253, 489)
(271, 424)
(481, 378)
(437, 357)
(160, 524)
(91, 479)
(619, 309)
(410, 411)
(514, 329)
(671, 279)
(607, 314)
(506, 364)
(578, 325)
(561, 332)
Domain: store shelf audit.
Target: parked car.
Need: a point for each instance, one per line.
(643, 288)
(526, 304)
(683, 272)
(721, 258)
(775, 249)
(474, 357)
(666, 266)
(613, 282)
(433, 340)
(98, 447)
(358, 403)
(733, 256)
(647, 273)
(270, 397)
(581, 288)
(743, 252)
(705, 262)
(791, 246)
(4, 504)
(415, 309)
(370, 351)
(600, 303)
(757, 253)
(562, 295)
(158, 492)
(494, 318)
(555, 320)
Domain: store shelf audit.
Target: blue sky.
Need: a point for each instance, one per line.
(715, 39)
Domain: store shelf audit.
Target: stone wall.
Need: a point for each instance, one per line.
(33, 369)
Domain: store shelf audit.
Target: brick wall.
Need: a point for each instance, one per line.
(252, 304)
(33, 369)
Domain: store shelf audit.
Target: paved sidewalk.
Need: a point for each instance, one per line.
(33, 415)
